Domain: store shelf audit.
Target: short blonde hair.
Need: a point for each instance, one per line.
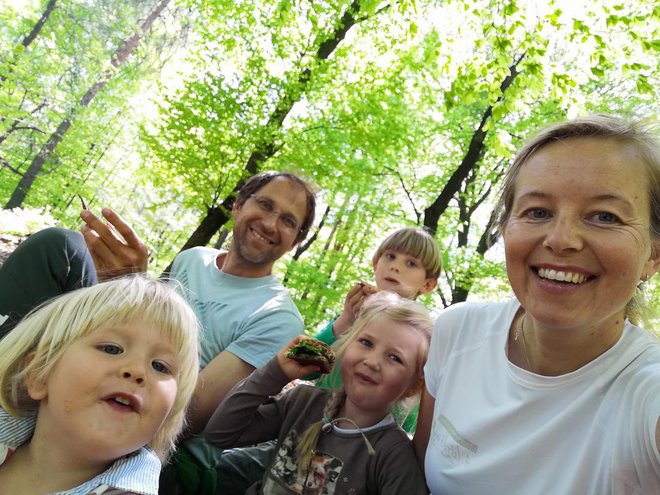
(47, 332)
(416, 242)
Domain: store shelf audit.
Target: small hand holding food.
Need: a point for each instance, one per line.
(304, 356)
(115, 247)
(352, 305)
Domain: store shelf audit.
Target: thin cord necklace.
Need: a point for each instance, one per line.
(521, 331)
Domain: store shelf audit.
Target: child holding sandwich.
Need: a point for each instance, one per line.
(341, 441)
(407, 263)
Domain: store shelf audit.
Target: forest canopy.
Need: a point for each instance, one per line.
(403, 113)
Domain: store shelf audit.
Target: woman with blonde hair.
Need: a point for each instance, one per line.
(558, 390)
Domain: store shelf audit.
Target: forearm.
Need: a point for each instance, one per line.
(246, 416)
(214, 383)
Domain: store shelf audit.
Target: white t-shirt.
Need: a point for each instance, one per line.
(498, 429)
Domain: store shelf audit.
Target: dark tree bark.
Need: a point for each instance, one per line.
(472, 157)
(30, 37)
(217, 216)
(117, 60)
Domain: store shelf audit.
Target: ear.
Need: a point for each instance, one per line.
(37, 389)
(652, 266)
(429, 285)
(235, 207)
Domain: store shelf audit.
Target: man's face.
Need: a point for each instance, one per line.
(267, 224)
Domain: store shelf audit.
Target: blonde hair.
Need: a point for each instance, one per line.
(637, 135)
(416, 242)
(380, 306)
(47, 332)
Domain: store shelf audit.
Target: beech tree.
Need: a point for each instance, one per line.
(403, 113)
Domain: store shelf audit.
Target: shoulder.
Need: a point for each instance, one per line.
(196, 253)
(135, 473)
(466, 318)
(15, 430)
(467, 310)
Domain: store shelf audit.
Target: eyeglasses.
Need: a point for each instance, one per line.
(286, 220)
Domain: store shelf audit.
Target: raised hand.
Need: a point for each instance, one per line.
(293, 369)
(115, 247)
(352, 304)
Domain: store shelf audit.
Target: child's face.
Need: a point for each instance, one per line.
(381, 366)
(403, 274)
(109, 392)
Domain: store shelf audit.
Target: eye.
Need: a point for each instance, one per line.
(113, 349)
(390, 256)
(605, 217)
(395, 358)
(366, 342)
(412, 264)
(537, 214)
(265, 204)
(161, 367)
(289, 222)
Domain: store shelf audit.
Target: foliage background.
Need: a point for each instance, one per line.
(403, 113)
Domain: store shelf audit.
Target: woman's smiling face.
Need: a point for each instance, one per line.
(578, 239)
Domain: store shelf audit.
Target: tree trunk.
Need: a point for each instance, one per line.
(212, 222)
(474, 153)
(117, 60)
(30, 37)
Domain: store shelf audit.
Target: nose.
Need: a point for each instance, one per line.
(564, 235)
(394, 264)
(371, 361)
(269, 220)
(133, 371)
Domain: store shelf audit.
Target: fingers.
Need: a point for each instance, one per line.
(293, 369)
(114, 246)
(125, 230)
(355, 298)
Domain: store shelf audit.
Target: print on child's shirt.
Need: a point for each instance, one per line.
(320, 479)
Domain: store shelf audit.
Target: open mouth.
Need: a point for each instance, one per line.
(121, 403)
(260, 237)
(561, 276)
(391, 280)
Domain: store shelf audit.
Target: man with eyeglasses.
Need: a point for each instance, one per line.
(246, 313)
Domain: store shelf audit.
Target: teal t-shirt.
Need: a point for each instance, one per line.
(252, 318)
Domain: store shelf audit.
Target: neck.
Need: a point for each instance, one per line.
(24, 472)
(553, 352)
(359, 418)
(232, 263)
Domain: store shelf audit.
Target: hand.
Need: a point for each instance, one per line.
(352, 304)
(293, 369)
(113, 244)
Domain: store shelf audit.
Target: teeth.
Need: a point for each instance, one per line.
(574, 278)
(261, 237)
(123, 401)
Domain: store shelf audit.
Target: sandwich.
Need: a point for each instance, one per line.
(312, 351)
(372, 288)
